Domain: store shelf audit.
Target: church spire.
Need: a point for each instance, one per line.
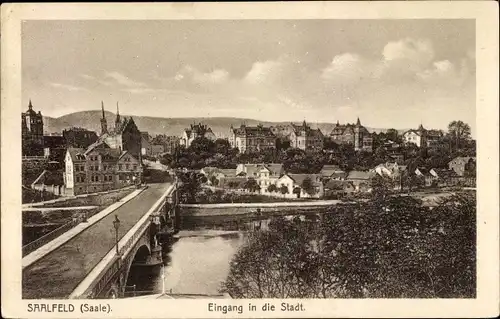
(358, 122)
(104, 123)
(30, 106)
(117, 122)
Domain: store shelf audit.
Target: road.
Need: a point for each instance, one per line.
(57, 274)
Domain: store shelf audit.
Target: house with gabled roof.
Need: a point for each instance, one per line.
(304, 137)
(295, 185)
(422, 137)
(252, 138)
(333, 172)
(362, 180)
(195, 131)
(265, 174)
(463, 165)
(354, 134)
(99, 168)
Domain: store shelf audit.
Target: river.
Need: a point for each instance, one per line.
(196, 263)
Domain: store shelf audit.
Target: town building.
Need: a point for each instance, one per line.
(252, 138)
(354, 134)
(295, 183)
(463, 165)
(54, 147)
(264, 174)
(145, 144)
(282, 131)
(194, 131)
(99, 168)
(171, 144)
(333, 172)
(362, 180)
(304, 137)
(32, 132)
(422, 137)
(78, 137)
(124, 137)
(429, 176)
(338, 187)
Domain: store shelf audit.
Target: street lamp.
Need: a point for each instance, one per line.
(116, 225)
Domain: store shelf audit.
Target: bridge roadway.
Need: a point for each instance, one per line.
(57, 274)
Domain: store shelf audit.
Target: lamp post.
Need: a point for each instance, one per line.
(116, 225)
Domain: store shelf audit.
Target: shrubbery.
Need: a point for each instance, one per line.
(392, 248)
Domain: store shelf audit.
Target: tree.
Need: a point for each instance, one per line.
(363, 251)
(283, 190)
(222, 146)
(214, 181)
(251, 185)
(297, 191)
(272, 188)
(308, 187)
(459, 131)
(392, 134)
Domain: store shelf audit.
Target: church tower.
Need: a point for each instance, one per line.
(118, 120)
(104, 124)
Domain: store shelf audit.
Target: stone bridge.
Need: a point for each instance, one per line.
(138, 249)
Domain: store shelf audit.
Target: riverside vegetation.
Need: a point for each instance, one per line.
(389, 247)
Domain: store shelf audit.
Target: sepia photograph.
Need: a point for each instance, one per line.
(246, 159)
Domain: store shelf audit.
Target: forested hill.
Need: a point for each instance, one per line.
(169, 126)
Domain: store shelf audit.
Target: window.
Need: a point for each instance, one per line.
(126, 166)
(134, 167)
(120, 167)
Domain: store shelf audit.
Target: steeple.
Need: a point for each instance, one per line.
(358, 122)
(104, 123)
(117, 121)
(338, 123)
(30, 106)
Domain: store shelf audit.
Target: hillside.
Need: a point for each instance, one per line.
(155, 125)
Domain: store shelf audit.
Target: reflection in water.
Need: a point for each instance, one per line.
(199, 264)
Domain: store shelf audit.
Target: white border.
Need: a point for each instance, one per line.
(486, 15)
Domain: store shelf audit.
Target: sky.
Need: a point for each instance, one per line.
(389, 73)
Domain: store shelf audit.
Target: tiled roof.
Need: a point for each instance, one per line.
(443, 173)
(253, 131)
(359, 175)
(300, 130)
(335, 184)
(73, 152)
(299, 178)
(240, 181)
(341, 129)
(462, 159)
(275, 169)
(329, 170)
(227, 171)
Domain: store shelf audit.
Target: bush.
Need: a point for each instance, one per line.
(390, 249)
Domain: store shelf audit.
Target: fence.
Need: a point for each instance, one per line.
(36, 158)
(28, 248)
(37, 243)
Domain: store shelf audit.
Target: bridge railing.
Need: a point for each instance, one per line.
(32, 246)
(103, 272)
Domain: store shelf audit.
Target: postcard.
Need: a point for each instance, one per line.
(250, 160)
